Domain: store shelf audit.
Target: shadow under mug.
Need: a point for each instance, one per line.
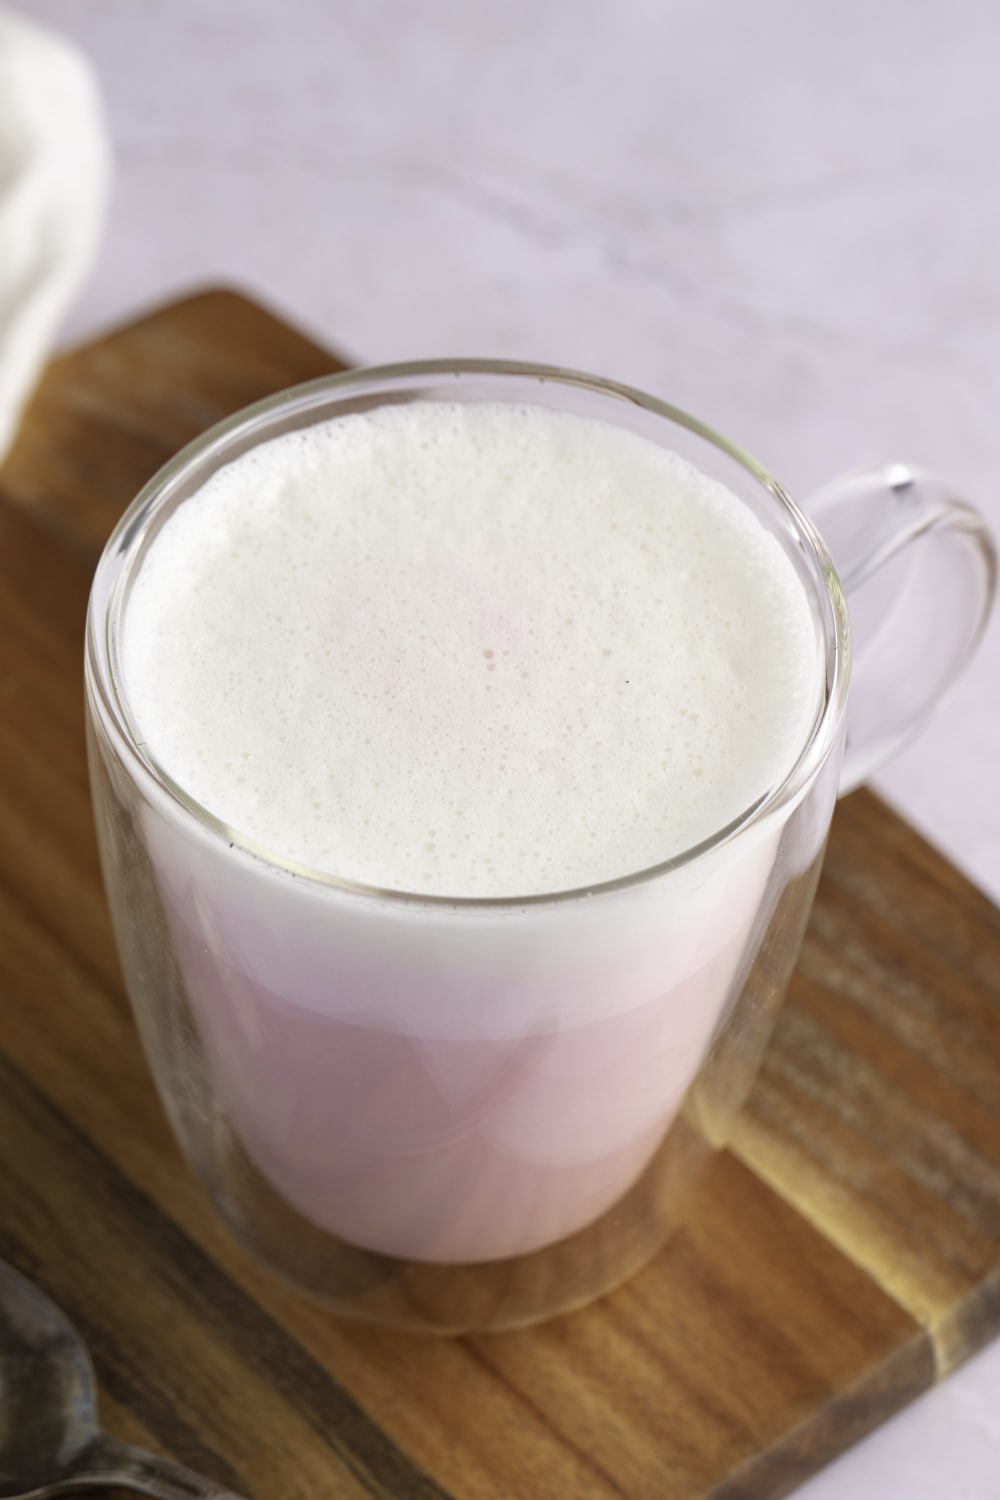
(468, 1114)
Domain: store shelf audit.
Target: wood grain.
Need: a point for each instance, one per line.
(878, 1109)
(99, 425)
(841, 1254)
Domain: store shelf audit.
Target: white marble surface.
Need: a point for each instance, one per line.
(783, 216)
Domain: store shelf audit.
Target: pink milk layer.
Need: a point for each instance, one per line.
(462, 652)
(445, 1086)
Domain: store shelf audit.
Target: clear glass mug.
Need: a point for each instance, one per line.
(467, 1114)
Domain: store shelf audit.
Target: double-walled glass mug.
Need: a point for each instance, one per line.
(454, 1114)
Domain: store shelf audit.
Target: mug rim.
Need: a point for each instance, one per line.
(259, 422)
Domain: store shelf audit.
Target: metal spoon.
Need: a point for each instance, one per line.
(49, 1438)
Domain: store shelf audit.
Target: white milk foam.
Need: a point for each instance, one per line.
(473, 650)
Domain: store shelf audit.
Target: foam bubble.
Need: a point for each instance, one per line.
(469, 649)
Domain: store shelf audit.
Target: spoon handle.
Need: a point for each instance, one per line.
(109, 1463)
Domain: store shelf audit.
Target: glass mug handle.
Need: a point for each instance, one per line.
(919, 569)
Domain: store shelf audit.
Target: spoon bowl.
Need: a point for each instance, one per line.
(48, 1394)
(50, 1439)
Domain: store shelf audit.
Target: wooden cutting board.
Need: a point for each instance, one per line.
(840, 1258)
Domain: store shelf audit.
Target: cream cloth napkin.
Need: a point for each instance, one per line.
(55, 173)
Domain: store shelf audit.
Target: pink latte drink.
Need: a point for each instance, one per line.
(433, 665)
